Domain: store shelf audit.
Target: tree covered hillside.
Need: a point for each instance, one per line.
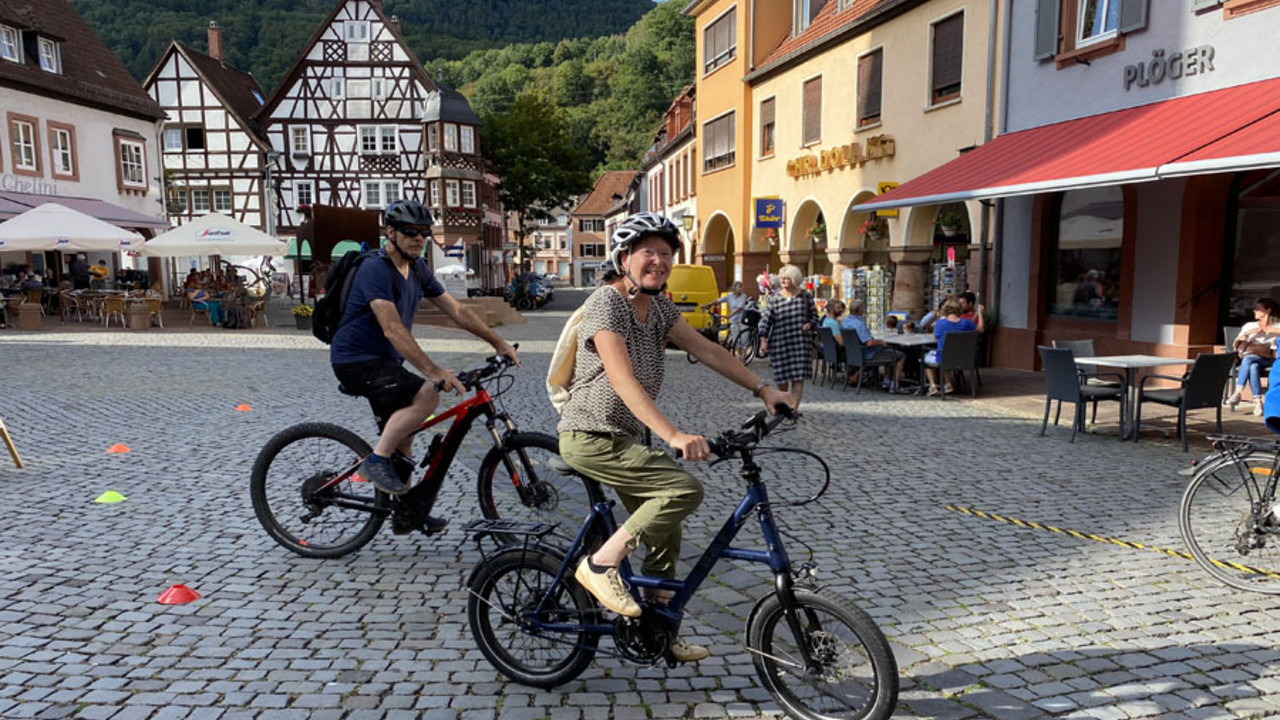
(613, 89)
(264, 37)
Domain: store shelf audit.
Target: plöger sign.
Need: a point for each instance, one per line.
(842, 156)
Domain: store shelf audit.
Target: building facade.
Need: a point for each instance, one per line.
(589, 239)
(670, 172)
(213, 153)
(552, 254)
(77, 128)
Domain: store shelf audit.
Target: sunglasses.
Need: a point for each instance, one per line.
(412, 232)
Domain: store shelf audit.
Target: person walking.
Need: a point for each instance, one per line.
(786, 333)
(619, 369)
(373, 341)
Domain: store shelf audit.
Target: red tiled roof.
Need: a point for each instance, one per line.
(600, 199)
(1232, 128)
(90, 73)
(830, 19)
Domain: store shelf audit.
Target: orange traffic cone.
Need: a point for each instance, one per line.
(243, 408)
(178, 595)
(118, 448)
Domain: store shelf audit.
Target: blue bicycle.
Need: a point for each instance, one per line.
(817, 653)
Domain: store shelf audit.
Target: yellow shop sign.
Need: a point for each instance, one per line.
(842, 156)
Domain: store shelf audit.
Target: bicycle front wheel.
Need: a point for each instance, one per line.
(525, 480)
(514, 592)
(746, 345)
(830, 661)
(286, 483)
(1229, 522)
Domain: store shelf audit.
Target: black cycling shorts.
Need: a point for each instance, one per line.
(386, 384)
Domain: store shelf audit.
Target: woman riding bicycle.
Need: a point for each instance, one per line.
(626, 325)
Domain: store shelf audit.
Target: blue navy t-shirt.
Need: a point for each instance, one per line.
(360, 338)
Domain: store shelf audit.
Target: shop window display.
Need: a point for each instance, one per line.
(1084, 260)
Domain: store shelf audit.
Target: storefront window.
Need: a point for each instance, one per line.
(1255, 271)
(1085, 259)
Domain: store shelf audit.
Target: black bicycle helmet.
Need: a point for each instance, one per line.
(406, 212)
(638, 226)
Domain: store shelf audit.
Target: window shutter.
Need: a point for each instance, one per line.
(1133, 16)
(948, 52)
(1047, 24)
(766, 112)
(729, 143)
(869, 84)
(813, 110)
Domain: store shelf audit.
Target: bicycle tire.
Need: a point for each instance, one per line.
(507, 584)
(524, 304)
(305, 456)
(1218, 521)
(551, 496)
(775, 654)
(746, 351)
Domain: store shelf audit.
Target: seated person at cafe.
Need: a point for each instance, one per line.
(926, 322)
(193, 277)
(831, 321)
(29, 282)
(968, 305)
(891, 324)
(950, 322)
(872, 348)
(156, 292)
(909, 328)
(201, 300)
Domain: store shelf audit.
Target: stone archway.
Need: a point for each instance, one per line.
(804, 249)
(719, 248)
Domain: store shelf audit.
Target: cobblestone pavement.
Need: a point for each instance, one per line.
(988, 619)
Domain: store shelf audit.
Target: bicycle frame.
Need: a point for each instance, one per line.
(756, 500)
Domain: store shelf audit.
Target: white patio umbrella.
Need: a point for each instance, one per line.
(57, 227)
(454, 269)
(213, 234)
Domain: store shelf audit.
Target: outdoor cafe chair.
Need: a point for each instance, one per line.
(1090, 375)
(829, 354)
(1199, 388)
(112, 307)
(37, 297)
(959, 353)
(68, 304)
(855, 357)
(155, 309)
(1065, 382)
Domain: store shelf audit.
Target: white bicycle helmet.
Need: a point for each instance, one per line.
(636, 227)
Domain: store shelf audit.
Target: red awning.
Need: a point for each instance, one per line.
(16, 203)
(1228, 129)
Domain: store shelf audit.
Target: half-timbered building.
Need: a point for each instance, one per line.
(213, 152)
(347, 118)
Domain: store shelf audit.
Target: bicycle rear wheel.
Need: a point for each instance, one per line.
(285, 488)
(1228, 518)
(525, 480)
(746, 345)
(851, 673)
(516, 587)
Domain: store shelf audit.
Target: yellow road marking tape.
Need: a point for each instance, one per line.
(1133, 545)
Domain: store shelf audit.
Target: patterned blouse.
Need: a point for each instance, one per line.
(593, 405)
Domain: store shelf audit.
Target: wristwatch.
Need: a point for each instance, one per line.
(760, 387)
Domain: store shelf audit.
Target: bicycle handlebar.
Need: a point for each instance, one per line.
(752, 432)
(471, 379)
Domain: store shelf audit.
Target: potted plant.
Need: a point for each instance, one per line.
(873, 228)
(818, 234)
(302, 316)
(949, 223)
(771, 237)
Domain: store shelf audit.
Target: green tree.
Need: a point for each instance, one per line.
(530, 146)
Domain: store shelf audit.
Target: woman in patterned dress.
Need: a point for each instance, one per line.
(619, 368)
(786, 333)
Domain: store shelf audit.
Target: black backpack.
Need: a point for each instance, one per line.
(330, 308)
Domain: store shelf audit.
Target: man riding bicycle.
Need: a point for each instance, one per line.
(374, 339)
(625, 327)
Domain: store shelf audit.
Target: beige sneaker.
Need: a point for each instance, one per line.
(685, 651)
(608, 589)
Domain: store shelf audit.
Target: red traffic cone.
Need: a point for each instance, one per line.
(243, 407)
(178, 595)
(118, 448)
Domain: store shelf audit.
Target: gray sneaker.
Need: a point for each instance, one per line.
(684, 651)
(383, 476)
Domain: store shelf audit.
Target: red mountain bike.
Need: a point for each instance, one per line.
(306, 494)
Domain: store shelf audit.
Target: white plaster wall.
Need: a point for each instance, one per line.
(95, 152)
(1016, 270)
(1155, 269)
(1245, 50)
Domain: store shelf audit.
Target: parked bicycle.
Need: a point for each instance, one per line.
(1230, 515)
(745, 343)
(817, 653)
(308, 498)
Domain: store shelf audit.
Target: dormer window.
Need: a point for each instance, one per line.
(50, 56)
(10, 44)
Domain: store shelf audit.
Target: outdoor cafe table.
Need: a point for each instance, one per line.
(1131, 364)
(911, 345)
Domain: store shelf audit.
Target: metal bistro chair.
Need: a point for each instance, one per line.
(1199, 388)
(829, 357)
(959, 353)
(1090, 375)
(855, 357)
(1065, 382)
